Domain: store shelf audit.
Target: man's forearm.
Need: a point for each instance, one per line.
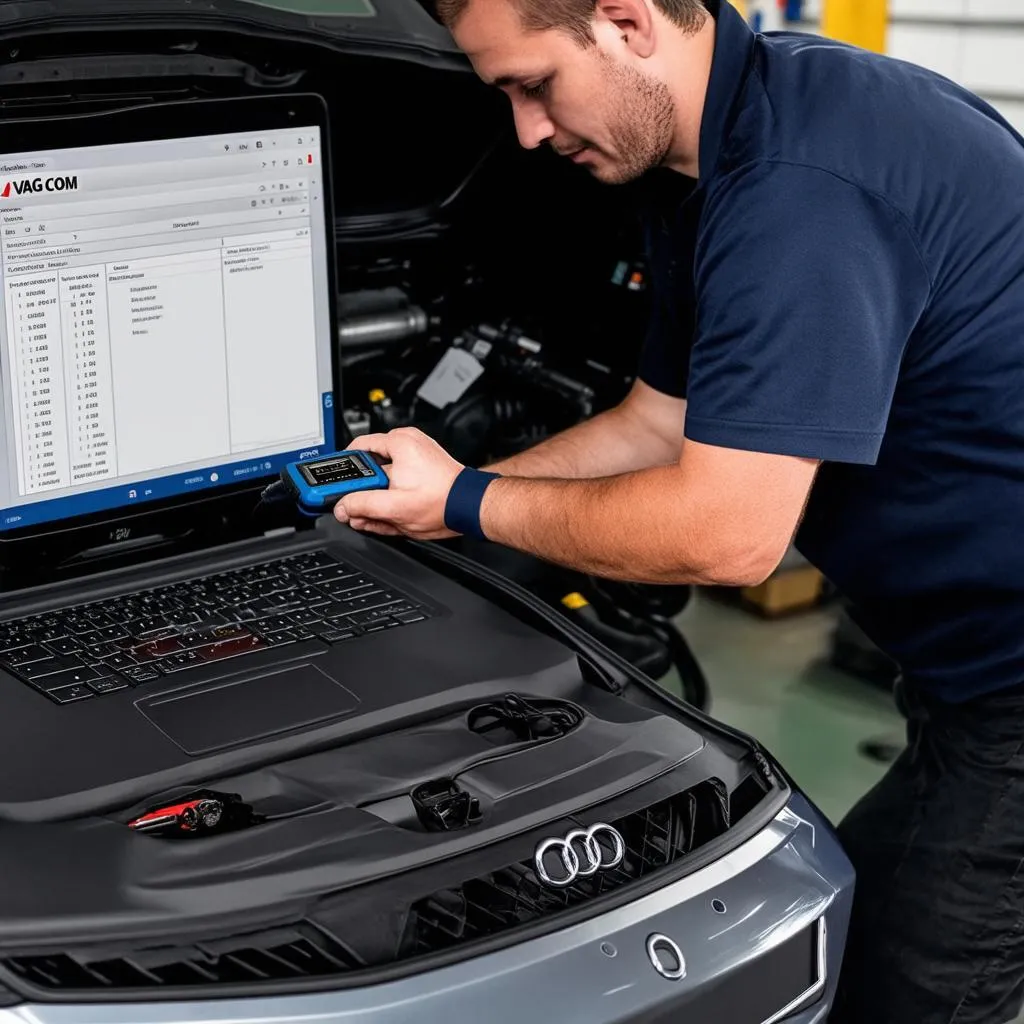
(611, 443)
(643, 527)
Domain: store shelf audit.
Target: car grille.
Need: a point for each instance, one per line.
(481, 907)
(654, 837)
(301, 951)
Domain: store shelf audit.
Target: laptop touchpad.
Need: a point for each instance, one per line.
(248, 708)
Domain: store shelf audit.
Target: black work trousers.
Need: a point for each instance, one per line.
(937, 934)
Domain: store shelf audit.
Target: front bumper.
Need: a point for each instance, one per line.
(790, 877)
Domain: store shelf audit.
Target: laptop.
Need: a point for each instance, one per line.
(167, 345)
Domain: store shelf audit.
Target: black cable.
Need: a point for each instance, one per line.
(474, 170)
(277, 495)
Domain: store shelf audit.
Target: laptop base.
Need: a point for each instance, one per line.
(184, 728)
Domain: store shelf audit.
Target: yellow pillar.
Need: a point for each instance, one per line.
(741, 6)
(863, 23)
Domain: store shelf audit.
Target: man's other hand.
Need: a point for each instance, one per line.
(421, 474)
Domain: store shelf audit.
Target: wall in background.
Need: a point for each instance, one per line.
(979, 43)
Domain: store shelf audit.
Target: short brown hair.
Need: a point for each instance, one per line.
(575, 16)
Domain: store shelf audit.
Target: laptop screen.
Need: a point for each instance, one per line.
(166, 326)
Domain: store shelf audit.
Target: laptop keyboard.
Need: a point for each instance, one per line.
(106, 646)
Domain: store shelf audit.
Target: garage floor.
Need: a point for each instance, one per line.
(771, 679)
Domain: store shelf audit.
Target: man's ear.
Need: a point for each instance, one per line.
(632, 20)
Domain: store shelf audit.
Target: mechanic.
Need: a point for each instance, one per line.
(836, 356)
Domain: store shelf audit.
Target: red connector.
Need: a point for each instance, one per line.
(190, 816)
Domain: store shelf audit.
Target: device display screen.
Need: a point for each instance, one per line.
(336, 471)
(145, 351)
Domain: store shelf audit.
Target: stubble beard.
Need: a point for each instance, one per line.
(641, 125)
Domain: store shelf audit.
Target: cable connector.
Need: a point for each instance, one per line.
(526, 721)
(277, 495)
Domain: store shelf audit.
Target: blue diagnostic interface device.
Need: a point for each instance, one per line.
(319, 484)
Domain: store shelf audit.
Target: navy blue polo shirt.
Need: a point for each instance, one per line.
(845, 282)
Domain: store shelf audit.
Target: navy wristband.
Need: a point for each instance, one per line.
(462, 509)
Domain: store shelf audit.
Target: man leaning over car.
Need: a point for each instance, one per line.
(837, 356)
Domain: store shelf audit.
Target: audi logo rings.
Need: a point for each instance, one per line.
(582, 853)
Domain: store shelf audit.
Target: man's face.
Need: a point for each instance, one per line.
(589, 103)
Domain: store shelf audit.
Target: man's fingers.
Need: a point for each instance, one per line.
(373, 526)
(367, 505)
(376, 443)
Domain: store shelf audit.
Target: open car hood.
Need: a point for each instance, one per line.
(401, 26)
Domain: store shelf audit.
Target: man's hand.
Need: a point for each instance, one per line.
(421, 474)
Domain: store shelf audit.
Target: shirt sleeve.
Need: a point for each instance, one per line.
(808, 289)
(665, 355)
